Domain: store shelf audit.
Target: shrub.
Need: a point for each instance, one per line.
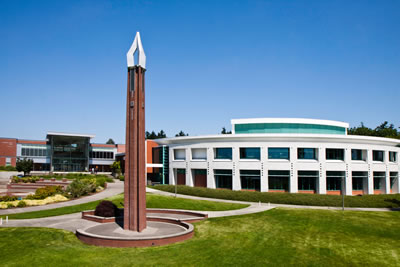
(101, 181)
(8, 168)
(8, 198)
(48, 191)
(106, 209)
(9, 206)
(371, 201)
(121, 178)
(81, 187)
(21, 204)
(16, 179)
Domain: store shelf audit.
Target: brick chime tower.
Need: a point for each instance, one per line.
(135, 164)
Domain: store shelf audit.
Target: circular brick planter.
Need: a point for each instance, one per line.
(163, 227)
(185, 216)
(159, 231)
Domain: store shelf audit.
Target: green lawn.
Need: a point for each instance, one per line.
(275, 238)
(152, 201)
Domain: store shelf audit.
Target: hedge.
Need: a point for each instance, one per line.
(8, 168)
(364, 201)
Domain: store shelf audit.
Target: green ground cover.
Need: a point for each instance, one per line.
(152, 201)
(101, 179)
(279, 237)
(366, 201)
(8, 169)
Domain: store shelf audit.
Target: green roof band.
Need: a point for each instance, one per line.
(288, 128)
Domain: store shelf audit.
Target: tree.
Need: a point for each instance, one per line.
(181, 133)
(383, 130)
(161, 134)
(110, 142)
(224, 131)
(153, 135)
(25, 165)
(116, 168)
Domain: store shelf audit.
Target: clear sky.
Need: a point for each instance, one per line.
(63, 63)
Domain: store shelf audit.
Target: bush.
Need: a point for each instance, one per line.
(81, 187)
(8, 198)
(106, 209)
(48, 191)
(8, 168)
(121, 178)
(101, 182)
(9, 206)
(21, 204)
(366, 201)
(16, 179)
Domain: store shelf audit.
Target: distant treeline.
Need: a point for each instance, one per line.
(383, 130)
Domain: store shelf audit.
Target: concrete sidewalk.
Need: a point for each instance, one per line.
(154, 191)
(112, 189)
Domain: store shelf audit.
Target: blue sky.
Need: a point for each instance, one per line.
(63, 64)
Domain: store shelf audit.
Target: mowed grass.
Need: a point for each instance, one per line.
(279, 237)
(152, 201)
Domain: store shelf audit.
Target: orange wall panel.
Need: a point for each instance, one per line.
(149, 159)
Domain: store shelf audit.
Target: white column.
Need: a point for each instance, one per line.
(370, 183)
(235, 169)
(386, 184)
(210, 177)
(348, 187)
(293, 182)
(322, 171)
(172, 176)
(264, 170)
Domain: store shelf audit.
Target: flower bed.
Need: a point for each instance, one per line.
(33, 202)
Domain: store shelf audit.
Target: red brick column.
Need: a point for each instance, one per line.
(135, 164)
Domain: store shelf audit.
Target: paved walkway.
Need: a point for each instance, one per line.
(71, 222)
(112, 189)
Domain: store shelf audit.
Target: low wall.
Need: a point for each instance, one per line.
(8, 175)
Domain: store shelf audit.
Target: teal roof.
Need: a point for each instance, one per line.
(288, 128)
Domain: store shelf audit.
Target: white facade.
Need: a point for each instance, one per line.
(193, 153)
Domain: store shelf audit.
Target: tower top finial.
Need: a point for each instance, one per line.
(130, 56)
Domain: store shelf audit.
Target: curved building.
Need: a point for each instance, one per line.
(286, 155)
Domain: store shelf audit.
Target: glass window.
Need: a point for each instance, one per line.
(250, 179)
(393, 178)
(356, 154)
(23, 152)
(306, 153)
(379, 177)
(335, 154)
(307, 180)
(392, 156)
(69, 153)
(278, 153)
(358, 179)
(334, 180)
(377, 155)
(223, 179)
(179, 154)
(278, 180)
(8, 161)
(223, 153)
(199, 153)
(250, 153)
